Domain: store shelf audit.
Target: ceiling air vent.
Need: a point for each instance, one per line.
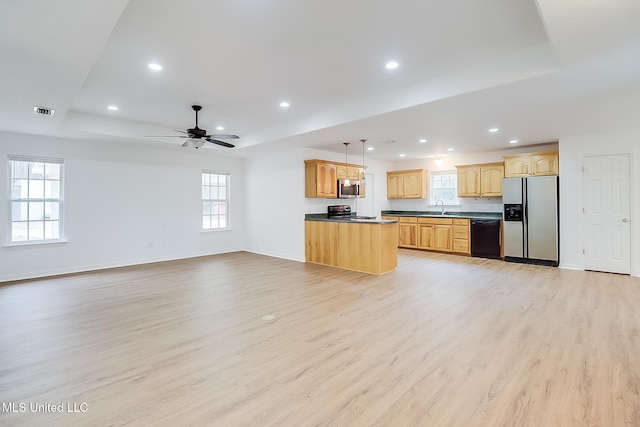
(44, 111)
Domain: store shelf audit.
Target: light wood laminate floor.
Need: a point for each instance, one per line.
(442, 341)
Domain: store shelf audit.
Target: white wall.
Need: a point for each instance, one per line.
(572, 152)
(123, 205)
(275, 204)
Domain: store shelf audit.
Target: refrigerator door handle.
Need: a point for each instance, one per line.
(525, 220)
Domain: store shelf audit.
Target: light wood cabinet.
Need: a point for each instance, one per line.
(340, 244)
(461, 235)
(442, 238)
(407, 184)
(468, 181)
(491, 175)
(321, 177)
(481, 180)
(544, 164)
(426, 236)
(345, 171)
(435, 234)
(407, 232)
(394, 185)
(531, 164)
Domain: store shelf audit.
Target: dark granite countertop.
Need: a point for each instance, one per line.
(353, 218)
(437, 214)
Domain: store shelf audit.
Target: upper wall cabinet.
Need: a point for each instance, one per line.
(321, 177)
(481, 180)
(349, 172)
(531, 164)
(407, 184)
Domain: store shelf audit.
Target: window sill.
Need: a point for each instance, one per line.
(33, 243)
(214, 230)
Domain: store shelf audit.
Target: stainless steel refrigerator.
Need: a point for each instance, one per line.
(531, 220)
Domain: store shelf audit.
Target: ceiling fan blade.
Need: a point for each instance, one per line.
(166, 136)
(176, 130)
(222, 143)
(222, 136)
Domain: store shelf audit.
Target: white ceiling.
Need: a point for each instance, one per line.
(537, 70)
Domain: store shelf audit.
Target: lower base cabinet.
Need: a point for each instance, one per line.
(434, 234)
(461, 236)
(407, 232)
(366, 247)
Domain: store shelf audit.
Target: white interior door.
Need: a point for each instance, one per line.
(607, 227)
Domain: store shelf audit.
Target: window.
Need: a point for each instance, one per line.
(35, 199)
(215, 200)
(444, 186)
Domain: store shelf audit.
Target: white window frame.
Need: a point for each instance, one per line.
(208, 198)
(44, 200)
(433, 198)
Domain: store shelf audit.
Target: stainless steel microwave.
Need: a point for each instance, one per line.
(348, 189)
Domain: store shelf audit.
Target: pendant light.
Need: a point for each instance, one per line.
(346, 146)
(363, 180)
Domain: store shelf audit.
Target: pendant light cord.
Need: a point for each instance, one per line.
(346, 146)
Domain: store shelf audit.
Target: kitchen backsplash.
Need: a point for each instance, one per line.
(479, 204)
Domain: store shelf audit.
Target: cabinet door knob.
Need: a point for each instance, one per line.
(625, 220)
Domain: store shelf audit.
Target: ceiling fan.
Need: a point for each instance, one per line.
(196, 137)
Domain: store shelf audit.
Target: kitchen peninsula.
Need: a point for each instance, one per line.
(352, 243)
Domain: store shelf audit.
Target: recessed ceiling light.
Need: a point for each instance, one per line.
(513, 141)
(402, 155)
(449, 149)
(493, 130)
(284, 104)
(370, 148)
(155, 67)
(219, 128)
(391, 65)
(112, 108)
(422, 140)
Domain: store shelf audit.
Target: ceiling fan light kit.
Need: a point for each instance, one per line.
(194, 143)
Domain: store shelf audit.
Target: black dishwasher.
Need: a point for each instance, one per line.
(485, 238)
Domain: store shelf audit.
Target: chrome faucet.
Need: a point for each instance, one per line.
(440, 201)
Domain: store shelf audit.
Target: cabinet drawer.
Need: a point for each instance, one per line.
(461, 245)
(460, 221)
(408, 219)
(435, 221)
(394, 218)
(461, 232)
